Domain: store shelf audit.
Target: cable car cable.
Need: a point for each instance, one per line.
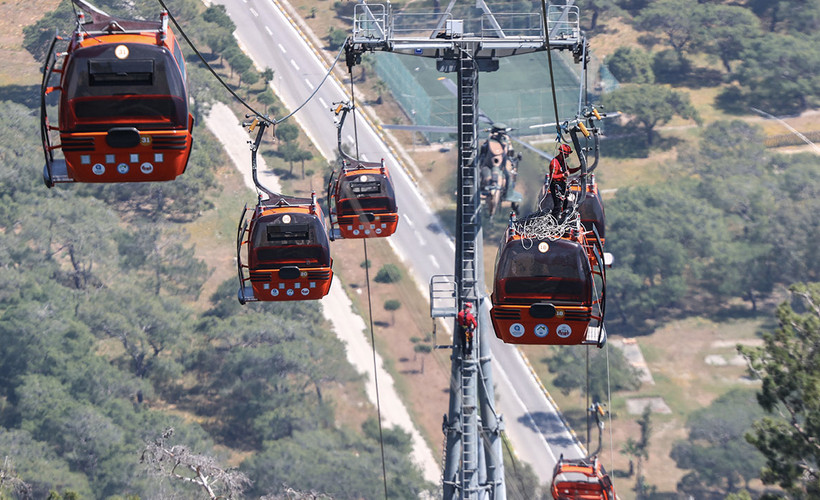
(369, 299)
(234, 94)
(549, 61)
(353, 104)
(609, 414)
(375, 364)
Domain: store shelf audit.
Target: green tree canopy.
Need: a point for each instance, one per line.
(683, 22)
(778, 72)
(719, 458)
(789, 366)
(650, 106)
(631, 65)
(605, 371)
(730, 28)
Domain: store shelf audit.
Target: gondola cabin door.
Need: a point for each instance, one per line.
(123, 105)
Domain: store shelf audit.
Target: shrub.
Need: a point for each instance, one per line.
(389, 273)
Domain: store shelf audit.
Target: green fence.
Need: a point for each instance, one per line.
(518, 94)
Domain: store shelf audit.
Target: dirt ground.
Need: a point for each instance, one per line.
(421, 378)
(19, 67)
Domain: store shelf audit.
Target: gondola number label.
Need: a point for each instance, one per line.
(541, 330)
(121, 52)
(516, 329)
(543, 247)
(563, 330)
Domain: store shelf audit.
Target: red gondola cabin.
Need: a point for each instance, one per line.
(123, 104)
(286, 252)
(362, 202)
(548, 291)
(581, 480)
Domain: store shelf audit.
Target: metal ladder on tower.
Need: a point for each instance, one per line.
(466, 266)
(468, 88)
(469, 428)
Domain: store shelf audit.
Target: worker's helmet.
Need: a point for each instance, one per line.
(468, 305)
(565, 149)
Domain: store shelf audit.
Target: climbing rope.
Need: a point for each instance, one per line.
(543, 226)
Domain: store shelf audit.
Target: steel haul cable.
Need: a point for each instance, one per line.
(234, 94)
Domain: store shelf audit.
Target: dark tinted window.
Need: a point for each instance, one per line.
(144, 90)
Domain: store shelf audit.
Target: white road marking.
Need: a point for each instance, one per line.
(293, 63)
(255, 14)
(322, 102)
(282, 48)
(421, 240)
(269, 31)
(409, 221)
(434, 261)
(364, 157)
(309, 84)
(350, 138)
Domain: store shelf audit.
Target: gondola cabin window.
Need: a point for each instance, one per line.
(146, 89)
(288, 240)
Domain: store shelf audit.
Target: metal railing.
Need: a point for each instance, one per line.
(376, 23)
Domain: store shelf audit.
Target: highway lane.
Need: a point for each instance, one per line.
(533, 423)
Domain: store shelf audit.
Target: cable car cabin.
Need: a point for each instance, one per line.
(286, 250)
(592, 211)
(548, 291)
(580, 480)
(123, 105)
(362, 202)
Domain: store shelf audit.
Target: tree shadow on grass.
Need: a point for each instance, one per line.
(27, 95)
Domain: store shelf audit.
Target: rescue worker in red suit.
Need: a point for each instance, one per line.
(556, 184)
(468, 324)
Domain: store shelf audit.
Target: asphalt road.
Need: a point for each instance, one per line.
(533, 423)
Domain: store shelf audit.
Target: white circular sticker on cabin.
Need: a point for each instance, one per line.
(563, 330)
(146, 168)
(274, 292)
(290, 292)
(541, 330)
(98, 169)
(122, 168)
(363, 178)
(286, 219)
(517, 329)
(121, 52)
(543, 247)
(305, 291)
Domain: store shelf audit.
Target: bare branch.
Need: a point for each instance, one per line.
(204, 470)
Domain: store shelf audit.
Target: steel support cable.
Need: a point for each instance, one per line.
(229, 89)
(609, 414)
(353, 110)
(589, 427)
(549, 62)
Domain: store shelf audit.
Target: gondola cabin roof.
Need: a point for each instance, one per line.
(123, 106)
